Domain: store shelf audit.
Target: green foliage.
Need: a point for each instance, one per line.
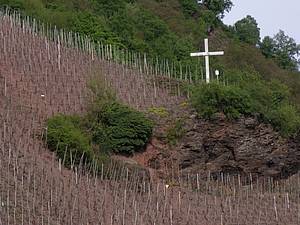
(125, 23)
(175, 132)
(283, 49)
(251, 96)
(266, 94)
(99, 94)
(159, 111)
(219, 7)
(14, 4)
(210, 99)
(93, 26)
(190, 7)
(66, 138)
(171, 30)
(120, 129)
(112, 125)
(109, 7)
(286, 119)
(280, 93)
(107, 127)
(123, 27)
(267, 46)
(271, 100)
(247, 30)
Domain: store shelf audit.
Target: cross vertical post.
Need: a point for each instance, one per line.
(206, 60)
(206, 54)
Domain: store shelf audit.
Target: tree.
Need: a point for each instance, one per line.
(93, 26)
(219, 7)
(267, 47)
(109, 7)
(189, 7)
(247, 30)
(283, 49)
(14, 4)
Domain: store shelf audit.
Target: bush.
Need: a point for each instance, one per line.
(270, 101)
(175, 132)
(13, 4)
(189, 7)
(265, 95)
(118, 128)
(108, 126)
(114, 126)
(286, 119)
(159, 111)
(213, 98)
(66, 138)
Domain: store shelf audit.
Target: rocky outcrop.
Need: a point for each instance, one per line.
(242, 146)
(219, 146)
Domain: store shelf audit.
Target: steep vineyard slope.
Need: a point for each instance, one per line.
(40, 77)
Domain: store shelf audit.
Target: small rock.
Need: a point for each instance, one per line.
(193, 116)
(250, 122)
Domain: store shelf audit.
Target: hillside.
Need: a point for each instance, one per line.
(167, 29)
(36, 188)
(206, 162)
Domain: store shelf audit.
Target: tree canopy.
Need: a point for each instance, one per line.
(283, 49)
(219, 7)
(247, 30)
(189, 7)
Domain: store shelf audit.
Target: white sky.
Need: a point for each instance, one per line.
(271, 15)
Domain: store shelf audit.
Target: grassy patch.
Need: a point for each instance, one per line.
(175, 132)
(68, 140)
(159, 111)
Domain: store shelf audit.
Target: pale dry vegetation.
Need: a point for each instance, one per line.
(45, 72)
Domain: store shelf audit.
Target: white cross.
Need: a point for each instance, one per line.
(207, 54)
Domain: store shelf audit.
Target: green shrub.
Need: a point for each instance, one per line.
(13, 4)
(99, 94)
(108, 127)
(213, 98)
(286, 119)
(269, 100)
(112, 125)
(66, 138)
(159, 111)
(118, 128)
(175, 132)
(280, 93)
(189, 7)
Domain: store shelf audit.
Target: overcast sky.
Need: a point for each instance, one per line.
(271, 15)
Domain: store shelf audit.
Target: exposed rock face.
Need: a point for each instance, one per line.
(243, 146)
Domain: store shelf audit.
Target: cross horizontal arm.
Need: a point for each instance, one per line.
(199, 54)
(216, 53)
(207, 53)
